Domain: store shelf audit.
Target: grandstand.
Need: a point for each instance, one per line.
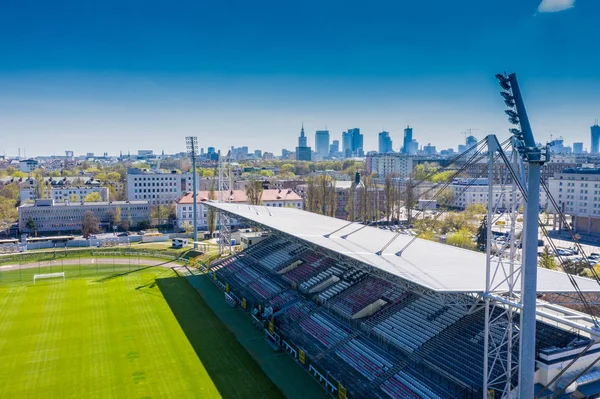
(385, 326)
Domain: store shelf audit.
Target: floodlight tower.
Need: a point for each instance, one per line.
(534, 157)
(225, 192)
(191, 143)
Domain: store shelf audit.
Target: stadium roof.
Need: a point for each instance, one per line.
(436, 266)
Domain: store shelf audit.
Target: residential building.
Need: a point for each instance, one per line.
(346, 189)
(396, 165)
(63, 194)
(406, 144)
(49, 216)
(577, 194)
(270, 197)
(385, 143)
(303, 151)
(595, 130)
(467, 192)
(28, 165)
(322, 144)
(156, 187)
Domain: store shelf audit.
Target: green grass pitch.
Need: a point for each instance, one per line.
(144, 334)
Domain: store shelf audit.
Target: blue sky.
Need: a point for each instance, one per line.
(103, 76)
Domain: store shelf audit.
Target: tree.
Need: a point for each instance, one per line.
(211, 217)
(143, 225)
(90, 224)
(93, 197)
(74, 198)
(30, 224)
(388, 192)
(482, 236)
(575, 267)
(461, 238)
(287, 168)
(351, 204)
(40, 184)
(254, 190)
(409, 199)
(546, 259)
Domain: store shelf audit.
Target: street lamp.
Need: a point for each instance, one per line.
(191, 144)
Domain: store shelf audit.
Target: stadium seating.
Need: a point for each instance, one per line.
(362, 294)
(364, 358)
(407, 348)
(412, 326)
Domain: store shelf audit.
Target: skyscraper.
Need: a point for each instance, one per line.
(302, 138)
(322, 143)
(385, 143)
(357, 142)
(347, 144)
(334, 148)
(577, 148)
(303, 152)
(595, 138)
(406, 145)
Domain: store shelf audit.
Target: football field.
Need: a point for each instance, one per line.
(118, 337)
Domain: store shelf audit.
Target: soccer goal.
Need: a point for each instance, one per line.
(48, 275)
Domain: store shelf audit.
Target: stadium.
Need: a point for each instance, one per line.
(371, 323)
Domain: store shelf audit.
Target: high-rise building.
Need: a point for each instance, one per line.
(302, 138)
(303, 152)
(385, 143)
(357, 142)
(347, 144)
(577, 148)
(595, 138)
(406, 145)
(470, 141)
(334, 148)
(429, 149)
(322, 144)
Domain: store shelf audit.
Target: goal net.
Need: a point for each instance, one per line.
(48, 275)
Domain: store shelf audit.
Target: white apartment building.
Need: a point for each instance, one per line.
(28, 165)
(62, 194)
(577, 193)
(397, 165)
(273, 198)
(468, 191)
(49, 216)
(158, 188)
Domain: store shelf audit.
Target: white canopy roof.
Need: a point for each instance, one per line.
(436, 266)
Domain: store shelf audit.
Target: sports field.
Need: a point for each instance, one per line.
(141, 334)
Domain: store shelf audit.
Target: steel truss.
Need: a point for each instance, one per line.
(225, 187)
(502, 327)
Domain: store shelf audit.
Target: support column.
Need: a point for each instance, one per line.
(529, 283)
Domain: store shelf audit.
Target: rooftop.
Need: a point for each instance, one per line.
(79, 203)
(435, 266)
(239, 196)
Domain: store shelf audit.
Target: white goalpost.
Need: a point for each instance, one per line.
(48, 275)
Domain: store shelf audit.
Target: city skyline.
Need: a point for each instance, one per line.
(246, 74)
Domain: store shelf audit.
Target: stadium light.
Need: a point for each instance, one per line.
(503, 81)
(511, 113)
(191, 144)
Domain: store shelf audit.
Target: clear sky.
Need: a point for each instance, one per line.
(95, 76)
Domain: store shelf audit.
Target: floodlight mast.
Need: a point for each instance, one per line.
(532, 155)
(192, 150)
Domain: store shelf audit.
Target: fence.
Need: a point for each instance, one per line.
(23, 267)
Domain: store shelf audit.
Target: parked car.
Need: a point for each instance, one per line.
(125, 234)
(594, 255)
